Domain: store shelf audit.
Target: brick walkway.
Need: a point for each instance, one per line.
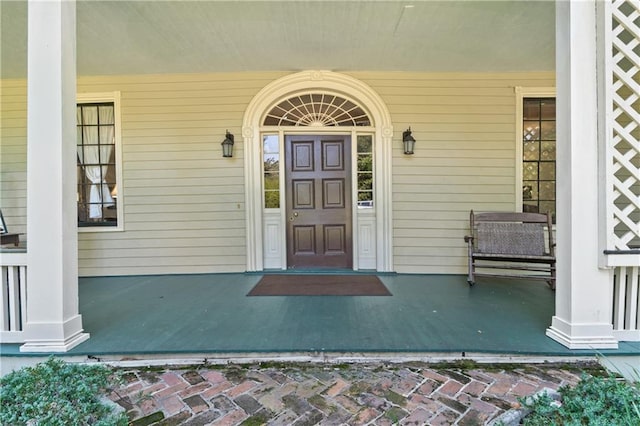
(328, 394)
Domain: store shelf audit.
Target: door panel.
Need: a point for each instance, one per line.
(333, 192)
(332, 155)
(303, 194)
(304, 240)
(318, 197)
(302, 156)
(335, 239)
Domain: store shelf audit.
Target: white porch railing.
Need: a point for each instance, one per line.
(13, 296)
(626, 321)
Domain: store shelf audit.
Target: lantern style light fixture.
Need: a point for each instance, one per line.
(227, 145)
(408, 141)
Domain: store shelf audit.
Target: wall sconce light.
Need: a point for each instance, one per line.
(408, 141)
(227, 145)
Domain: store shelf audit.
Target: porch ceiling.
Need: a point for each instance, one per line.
(130, 37)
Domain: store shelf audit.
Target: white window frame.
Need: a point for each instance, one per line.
(521, 93)
(114, 97)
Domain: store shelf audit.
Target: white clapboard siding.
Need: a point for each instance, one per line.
(465, 158)
(184, 208)
(13, 154)
(183, 202)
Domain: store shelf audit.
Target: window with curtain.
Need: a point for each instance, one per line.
(96, 165)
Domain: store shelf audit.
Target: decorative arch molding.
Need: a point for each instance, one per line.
(304, 82)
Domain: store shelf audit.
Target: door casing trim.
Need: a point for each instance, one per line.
(383, 132)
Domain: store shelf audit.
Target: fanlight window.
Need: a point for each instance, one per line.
(318, 110)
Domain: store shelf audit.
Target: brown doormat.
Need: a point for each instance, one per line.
(319, 285)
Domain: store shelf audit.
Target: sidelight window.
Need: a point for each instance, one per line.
(365, 171)
(271, 167)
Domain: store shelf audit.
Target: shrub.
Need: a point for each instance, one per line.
(593, 401)
(57, 393)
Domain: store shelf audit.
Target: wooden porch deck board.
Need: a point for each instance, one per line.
(210, 313)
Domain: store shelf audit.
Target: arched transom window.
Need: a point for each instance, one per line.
(318, 110)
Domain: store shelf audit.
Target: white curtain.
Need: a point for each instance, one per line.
(91, 155)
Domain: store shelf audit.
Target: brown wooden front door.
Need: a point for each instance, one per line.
(318, 182)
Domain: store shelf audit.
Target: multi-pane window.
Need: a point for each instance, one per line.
(365, 171)
(96, 164)
(539, 155)
(271, 165)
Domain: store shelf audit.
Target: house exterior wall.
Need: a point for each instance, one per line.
(13, 154)
(465, 158)
(184, 203)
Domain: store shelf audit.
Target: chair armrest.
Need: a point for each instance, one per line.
(468, 239)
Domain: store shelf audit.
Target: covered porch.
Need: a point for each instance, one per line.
(210, 316)
(190, 209)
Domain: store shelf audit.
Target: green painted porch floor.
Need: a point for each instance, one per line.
(210, 313)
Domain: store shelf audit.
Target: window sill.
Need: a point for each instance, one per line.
(99, 228)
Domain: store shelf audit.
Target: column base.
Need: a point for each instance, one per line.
(582, 336)
(54, 345)
(54, 337)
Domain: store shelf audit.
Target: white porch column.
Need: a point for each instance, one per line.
(583, 317)
(53, 322)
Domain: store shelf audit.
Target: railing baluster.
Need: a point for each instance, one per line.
(620, 292)
(13, 299)
(633, 278)
(23, 295)
(626, 303)
(632, 300)
(4, 300)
